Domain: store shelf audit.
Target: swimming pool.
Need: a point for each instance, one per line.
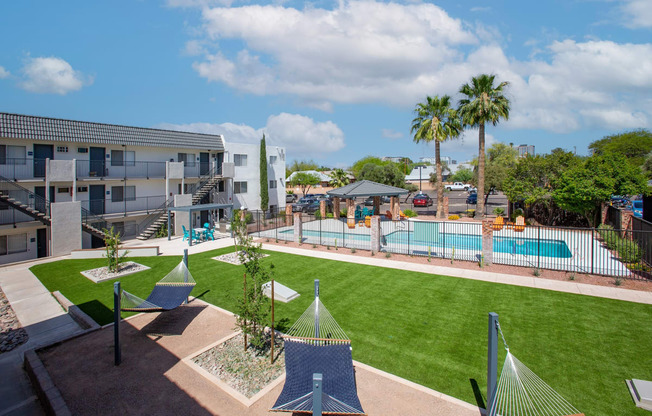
(509, 245)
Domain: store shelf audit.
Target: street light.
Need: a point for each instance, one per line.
(420, 167)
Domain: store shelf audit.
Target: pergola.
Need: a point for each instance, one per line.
(363, 189)
(194, 208)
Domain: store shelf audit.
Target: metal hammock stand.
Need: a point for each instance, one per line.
(519, 392)
(169, 293)
(319, 367)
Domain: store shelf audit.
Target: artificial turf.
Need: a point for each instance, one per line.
(426, 328)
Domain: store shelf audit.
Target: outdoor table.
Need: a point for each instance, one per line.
(200, 232)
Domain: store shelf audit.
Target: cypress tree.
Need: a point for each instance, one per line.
(264, 191)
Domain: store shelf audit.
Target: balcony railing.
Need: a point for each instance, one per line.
(29, 168)
(10, 215)
(145, 204)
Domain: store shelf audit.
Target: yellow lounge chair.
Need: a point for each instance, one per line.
(498, 224)
(350, 222)
(401, 215)
(520, 224)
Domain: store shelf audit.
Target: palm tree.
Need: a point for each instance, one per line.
(483, 103)
(339, 178)
(436, 121)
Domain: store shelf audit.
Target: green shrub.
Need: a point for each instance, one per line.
(454, 217)
(343, 213)
(318, 215)
(517, 213)
(409, 213)
(499, 211)
(629, 251)
(470, 213)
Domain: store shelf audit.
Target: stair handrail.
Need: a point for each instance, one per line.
(144, 225)
(44, 202)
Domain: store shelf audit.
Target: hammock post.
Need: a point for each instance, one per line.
(316, 394)
(272, 348)
(492, 360)
(316, 308)
(244, 285)
(185, 272)
(116, 324)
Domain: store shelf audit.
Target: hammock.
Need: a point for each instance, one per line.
(520, 392)
(317, 345)
(168, 293)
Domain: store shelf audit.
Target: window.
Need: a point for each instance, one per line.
(240, 160)
(10, 244)
(220, 187)
(82, 150)
(63, 190)
(62, 149)
(123, 158)
(272, 160)
(188, 159)
(272, 184)
(12, 155)
(82, 189)
(239, 187)
(123, 193)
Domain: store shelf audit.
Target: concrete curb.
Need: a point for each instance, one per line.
(84, 321)
(47, 392)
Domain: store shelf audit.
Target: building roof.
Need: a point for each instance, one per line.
(18, 126)
(321, 175)
(366, 188)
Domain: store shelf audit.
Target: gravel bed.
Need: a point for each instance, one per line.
(249, 371)
(102, 273)
(12, 334)
(232, 258)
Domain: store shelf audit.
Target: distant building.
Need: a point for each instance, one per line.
(395, 159)
(432, 161)
(525, 150)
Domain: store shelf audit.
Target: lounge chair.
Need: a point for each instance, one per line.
(520, 224)
(350, 222)
(367, 221)
(498, 224)
(401, 215)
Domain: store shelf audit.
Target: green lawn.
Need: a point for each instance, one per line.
(428, 329)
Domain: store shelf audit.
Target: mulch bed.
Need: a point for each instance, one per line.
(12, 334)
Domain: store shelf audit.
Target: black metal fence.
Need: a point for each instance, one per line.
(603, 251)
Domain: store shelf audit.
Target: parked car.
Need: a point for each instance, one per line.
(290, 198)
(472, 199)
(457, 186)
(369, 202)
(422, 200)
(637, 208)
(619, 201)
(315, 205)
(302, 203)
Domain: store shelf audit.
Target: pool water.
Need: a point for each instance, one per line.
(510, 245)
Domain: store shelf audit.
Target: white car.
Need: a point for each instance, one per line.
(458, 186)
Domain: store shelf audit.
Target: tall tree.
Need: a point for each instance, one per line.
(339, 178)
(264, 186)
(483, 103)
(304, 181)
(436, 121)
(634, 145)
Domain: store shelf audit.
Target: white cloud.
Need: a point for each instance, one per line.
(396, 54)
(300, 135)
(637, 13)
(391, 134)
(52, 75)
(4, 73)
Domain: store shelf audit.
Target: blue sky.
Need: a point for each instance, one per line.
(331, 81)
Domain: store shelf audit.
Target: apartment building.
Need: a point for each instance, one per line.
(123, 177)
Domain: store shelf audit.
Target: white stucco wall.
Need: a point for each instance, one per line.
(66, 227)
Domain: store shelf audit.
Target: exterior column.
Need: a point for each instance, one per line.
(376, 205)
(167, 180)
(445, 207)
(626, 223)
(74, 180)
(298, 228)
(395, 208)
(487, 241)
(336, 207)
(375, 234)
(350, 209)
(288, 215)
(604, 213)
(322, 209)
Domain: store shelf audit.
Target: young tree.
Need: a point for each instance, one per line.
(304, 181)
(483, 103)
(462, 174)
(436, 121)
(300, 165)
(264, 186)
(358, 165)
(388, 174)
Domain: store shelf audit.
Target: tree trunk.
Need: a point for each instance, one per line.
(440, 184)
(479, 212)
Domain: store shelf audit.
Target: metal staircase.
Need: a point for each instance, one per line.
(153, 223)
(39, 209)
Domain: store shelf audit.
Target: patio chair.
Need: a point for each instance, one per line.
(388, 215)
(186, 234)
(367, 213)
(498, 224)
(358, 213)
(367, 221)
(208, 232)
(520, 224)
(350, 222)
(401, 215)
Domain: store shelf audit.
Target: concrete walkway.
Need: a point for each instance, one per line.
(527, 281)
(45, 322)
